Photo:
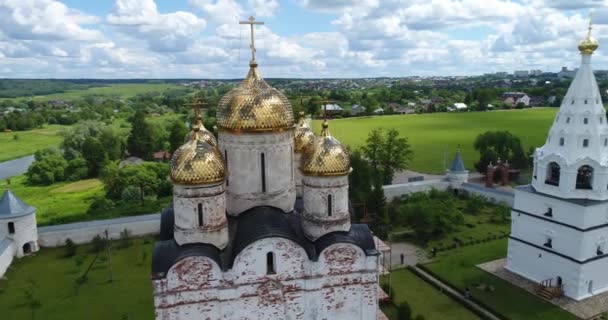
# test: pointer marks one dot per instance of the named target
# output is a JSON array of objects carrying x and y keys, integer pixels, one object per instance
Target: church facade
[
  {"x": 560, "y": 221},
  {"x": 260, "y": 223}
]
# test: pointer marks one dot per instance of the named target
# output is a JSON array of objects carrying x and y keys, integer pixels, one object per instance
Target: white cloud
[
  {"x": 264, "y": 8},
  {"x": 163, "y": 32},
  {"x": 221, "y": 11}
]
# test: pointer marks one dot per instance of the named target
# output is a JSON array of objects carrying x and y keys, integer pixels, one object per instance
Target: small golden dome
[
  {"x": 197, "y": 162},
  {"x": 199, "y": 132},
  {"x": 588, "y": 45},
  {"x": 254, "y": 106},
  {"x": 326, "y": 156},
  {"x": 303, "y": 135}
]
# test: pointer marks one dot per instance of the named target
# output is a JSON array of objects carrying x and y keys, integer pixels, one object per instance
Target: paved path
[
  {"x": 455, "y": 294},
  {"x": 412, "y": 254}
]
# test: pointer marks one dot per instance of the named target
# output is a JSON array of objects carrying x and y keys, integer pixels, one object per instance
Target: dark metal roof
[
  {"x": 13, "y": 207},
  {"x": 167, "y": 253},
  {"x": 252, "y": 225},
  {"x": 457, "y": 164}
]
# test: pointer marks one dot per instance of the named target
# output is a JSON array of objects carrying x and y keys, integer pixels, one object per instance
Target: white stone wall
[
  {"x": 7, "y": 253},
  {"x": 84, "y": 232},
  {"x": 316, "y": 220},
  {"x": 456, "y": 179},
  {"x": 396, "y": 190},
  {"x": 298, "y": 173},
  {"x": 244, "y": 183},
  {"x": 494, "y": 195},
  {"x": 341, "y": 285},
  {"x": 25, "y": 232},
  {"x": 186, "y": 200}
]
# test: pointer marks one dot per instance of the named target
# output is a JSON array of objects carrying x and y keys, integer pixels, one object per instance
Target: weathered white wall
[
  {"x": 297, "y": 173},
  {"x": 244, "y": 183},
  {"x": 84, "y": 232},
  {"x": 341, "y": 285},
  {"x": 316, "y": 221},
  {"x": 397, "y": 190},
  {"x": 494, "y": 195},
  {"x": 215, "y": 224},
  {"x": 7, "y": 252}
]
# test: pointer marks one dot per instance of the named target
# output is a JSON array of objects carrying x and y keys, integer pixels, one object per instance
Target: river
[{"x": 15, "y": 167}]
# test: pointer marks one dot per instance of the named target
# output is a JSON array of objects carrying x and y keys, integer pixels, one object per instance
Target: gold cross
[
  {"x": 590, "y": 24},
  {"x": 252, "y": 22},
  {"x": 196, "y": 104}
]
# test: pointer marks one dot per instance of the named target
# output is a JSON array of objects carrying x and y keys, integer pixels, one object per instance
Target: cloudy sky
[{"x": 300, "y": 38}]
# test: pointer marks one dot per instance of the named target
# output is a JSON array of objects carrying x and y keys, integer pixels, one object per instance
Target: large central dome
[{"x": 254, "y": 106}]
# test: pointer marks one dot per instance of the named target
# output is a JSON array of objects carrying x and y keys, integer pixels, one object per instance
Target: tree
[
  {"x": 176, "y": 136},
  {"x": 404, "y": 311},
  {"x": 141, "y": 140},
  {"x": 48, "y": 167},
  {"x": 499, "y": 144},
  {"x": 360, "y": 179},
  {"x": 387, "y": 153},
  {"x": 95, "y": 155},
  {"x": 376, "y": 203},
  {"x": 77, "y": 169},
  {"x": 70, "y": 248}
]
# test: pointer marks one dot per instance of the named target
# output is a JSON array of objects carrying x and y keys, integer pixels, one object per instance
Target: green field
[
  {"x": 28, "y": 142},
  {"x": 459, "y": 268},
  {"x": 425, "y": 299},
  {"x": 434, "y": 136},
  {"x": 124, "y": 90},
  {"x": 51, "y": 279},
  {"x": 62, "y": 199}
]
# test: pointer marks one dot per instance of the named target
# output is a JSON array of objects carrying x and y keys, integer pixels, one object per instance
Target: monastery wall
[
  {"x": 494, "y": 195},
  {"x": 84, "y": 232},
  {"x": 396, "y": 190},
  {"x": 6, "y": 255}
]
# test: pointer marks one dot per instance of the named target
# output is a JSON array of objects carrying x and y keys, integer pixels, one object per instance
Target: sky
[{"x": 299, "y": 39}]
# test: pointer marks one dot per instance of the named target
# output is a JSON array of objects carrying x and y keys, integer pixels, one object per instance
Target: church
[
  {"x": 560, "y": 221},
  {"x": 260, "y": 223}
]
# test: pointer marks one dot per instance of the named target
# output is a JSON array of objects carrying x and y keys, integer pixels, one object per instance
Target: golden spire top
[
  {"x": 301, "y": 118},
  {"x": 199, "y": 132},
  {"x": 589, "y": 44},
  {"x": 251, "y": 22},
  {"x": 325, "y": 129}
]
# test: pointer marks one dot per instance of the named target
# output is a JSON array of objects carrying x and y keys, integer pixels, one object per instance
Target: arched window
[
  {"x": 11, "y": 227},
  {"x": 605, "y": 142},
  {"x": 584, "y": 178},
  {"x": 263, "y": 164},
  {"x": 586, "y": 120},
  {"x": 270, "y": 267},
  {"x": 568, "y": 119},
  {"x": 329, "y": 205},
  {"x": 561, "y": 141},
  {"x": 200, "y": 214},
  {"x": 585, "y": 143},
  {"x": 553, "y": 174}
]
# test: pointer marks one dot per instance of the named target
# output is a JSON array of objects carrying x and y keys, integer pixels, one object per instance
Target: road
[{"x": 15, "y": 167}]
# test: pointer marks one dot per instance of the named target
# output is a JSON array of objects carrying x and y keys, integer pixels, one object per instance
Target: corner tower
[{"x": 256, "y": 136}]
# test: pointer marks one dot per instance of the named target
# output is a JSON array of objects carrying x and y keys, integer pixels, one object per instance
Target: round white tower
[
  {"x": 457, "y": 174},
  {"x": 18, "y": 224},
  {"x": 198, "y": 172},
  {"x": 256, "y": 137},
  {"x": 325, "y": 168},
  {"x": 304, "y": 137},
  {"x": 573, "y": 163}
]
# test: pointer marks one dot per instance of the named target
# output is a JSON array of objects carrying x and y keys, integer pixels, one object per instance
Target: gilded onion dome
[
  {"x": 589, "y": 44},
  {"x": 326, "y": 156},
  {"x": 254, "y": 106},
  {"x": 303, "y": 135},
  {"x": 197, "y": 162},
  {"x": 199, "y": 132}
]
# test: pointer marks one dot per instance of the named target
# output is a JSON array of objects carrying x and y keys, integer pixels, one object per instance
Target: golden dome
[
  {"x": 254, "y": 106},
  {"x": 589, "y": 44},
  {"x": 199, "y": 132},
  {"x": 303, "y": 135},
  {"x": 326, "y": 156},
  {"x": 197, "y": 162}
]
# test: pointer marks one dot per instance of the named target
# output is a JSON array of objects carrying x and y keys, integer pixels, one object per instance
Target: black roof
[{"x": 252, "y": 225}]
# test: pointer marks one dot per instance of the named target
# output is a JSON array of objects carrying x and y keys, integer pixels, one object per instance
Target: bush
[
  {"x": 125, "y": 239},
  {"x": 404, "y": 311},
  {"x": 98, "y": 243},
  {"x": 70, "y": 248}
]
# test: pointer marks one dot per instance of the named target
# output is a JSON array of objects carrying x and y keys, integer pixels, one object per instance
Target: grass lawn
[
  {"x": 459, "y": 268},
  {"x": 124, "y": 90},
  {"x": 28, "y": 142},
  {"x": 432, "y": 135},
  {"x": 51, "y": 279},
  {"x": 425, "y": 299}
]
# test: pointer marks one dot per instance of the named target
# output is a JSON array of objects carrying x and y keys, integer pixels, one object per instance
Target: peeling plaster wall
[
  {"x": 316, "y": 221},
  {"x": 342, "y": 284}
]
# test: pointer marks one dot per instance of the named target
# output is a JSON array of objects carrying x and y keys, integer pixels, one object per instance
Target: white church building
[
  {"x": 260, "y": 223},
  {"x": 560, "y": 221}
]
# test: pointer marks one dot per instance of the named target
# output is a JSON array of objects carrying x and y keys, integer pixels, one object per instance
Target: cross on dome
[{"x": 251, "y": 22}]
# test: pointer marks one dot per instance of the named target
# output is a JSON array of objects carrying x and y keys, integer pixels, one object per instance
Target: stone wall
[
  {"x": 397, "y": 190},
  {"x": 84, "y": 232},
  {"x": 6, "y": 255},
  {"x": 494, "y": 195}
]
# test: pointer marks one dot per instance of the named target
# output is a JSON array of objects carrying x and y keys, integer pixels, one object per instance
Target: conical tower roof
[
  {"x": 457, "y": 163},
  {"x": 11, "y": 206}
]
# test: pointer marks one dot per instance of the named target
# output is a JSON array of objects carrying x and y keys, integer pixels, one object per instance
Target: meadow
[
  {"x": 50, "y": 279},
  {"x": 435, "y": 136},
  {"x": 123, "y": 90},
  {"x": 458, "y": 267},
  {"x": 23, "y": 143}
]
